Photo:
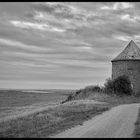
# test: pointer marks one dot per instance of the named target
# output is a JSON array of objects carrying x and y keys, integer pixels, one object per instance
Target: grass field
[
  {"x": 50, "y": 121},
  {"x": 137, "y": 127},
  {"x": 20, "y": 98},
  {"x": 33, "y": 114},
  {"x": 15, "y": 103}
]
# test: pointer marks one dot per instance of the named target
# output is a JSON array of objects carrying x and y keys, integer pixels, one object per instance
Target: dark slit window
[{"x": 130, "y": 68}]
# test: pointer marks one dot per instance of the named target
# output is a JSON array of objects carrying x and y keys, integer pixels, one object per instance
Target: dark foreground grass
[
  {"x": 137, "y": 127},
  {"x": 51, "y": 121}
]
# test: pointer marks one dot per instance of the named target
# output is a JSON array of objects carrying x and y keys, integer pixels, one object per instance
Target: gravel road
[{"x": 115, "y": 123}]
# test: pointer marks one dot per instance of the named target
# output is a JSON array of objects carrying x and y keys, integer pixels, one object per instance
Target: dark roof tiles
[{"x": 131, "y": 52}]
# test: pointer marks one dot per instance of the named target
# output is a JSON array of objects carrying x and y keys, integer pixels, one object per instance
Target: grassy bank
[
  {"x": 112, "y": 99},
  {"x": 52, "y": 120},
  {"x": 137, "y": 127}
]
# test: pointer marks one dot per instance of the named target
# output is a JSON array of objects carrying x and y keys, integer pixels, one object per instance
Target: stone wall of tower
[{"x": 130, "y": 68}]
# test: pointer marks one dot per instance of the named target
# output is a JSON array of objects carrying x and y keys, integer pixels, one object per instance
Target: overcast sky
[{"x": 63, "y": 44}]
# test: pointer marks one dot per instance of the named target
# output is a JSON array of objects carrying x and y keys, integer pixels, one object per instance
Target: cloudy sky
[{"x": 63, "y": 44}]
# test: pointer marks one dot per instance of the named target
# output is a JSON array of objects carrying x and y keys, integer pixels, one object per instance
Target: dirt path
[{"x": 116, "y": 123}]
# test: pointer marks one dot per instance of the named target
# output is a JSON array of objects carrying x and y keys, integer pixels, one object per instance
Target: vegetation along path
[{"x": 119, "y": 122}]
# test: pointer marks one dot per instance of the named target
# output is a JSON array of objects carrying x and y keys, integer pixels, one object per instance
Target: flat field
[{"x": 17, "y": 103}]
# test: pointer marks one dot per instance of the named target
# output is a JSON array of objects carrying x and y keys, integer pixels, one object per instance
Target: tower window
[{"x": 130, "y": 68}]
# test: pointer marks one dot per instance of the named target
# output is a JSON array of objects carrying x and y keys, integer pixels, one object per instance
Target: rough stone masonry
[{"x": 128, "y": 63}]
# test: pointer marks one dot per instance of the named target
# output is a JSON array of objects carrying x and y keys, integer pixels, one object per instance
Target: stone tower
[{"x": 128, "y": 63}]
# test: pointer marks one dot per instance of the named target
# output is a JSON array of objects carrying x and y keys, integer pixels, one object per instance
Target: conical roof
[{"x": 131, "y": 52}]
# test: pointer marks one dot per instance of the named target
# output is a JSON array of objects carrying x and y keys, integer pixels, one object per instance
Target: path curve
[{"x": 115, "y": 123}]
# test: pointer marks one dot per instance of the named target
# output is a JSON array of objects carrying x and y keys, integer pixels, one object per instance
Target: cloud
[
  {"x": 123, "y": 38},
  {"x": 43, "y": 27},
  {"x": 33, "y": 64},
  {"x": 61, "y": 10},
  {"x": 64, "y": 14},
  {"x": 117, "y": 6},
  {"x": 64, "y": 42},
  {"x": 105, "y": 7},
  {"x": 86, "y": 48},
  {"x": 22, "y": 45},
  {"x": 55, "y": 60},
  {"x": 73, "y": 42},
  {"x": 77, "y": 63},
  {"x": 127, "y": 17},
  {"x": 122, "y": 5},
  {"x": 136, "y": 38}
]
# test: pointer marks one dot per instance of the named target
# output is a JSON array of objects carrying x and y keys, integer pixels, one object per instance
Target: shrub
[
  {"x": 78, "y": 92},
  {"x": 83, "y": 93},
  {"x": 92, "y": 89},
  {"x": 108, "y": 86},
  {"x": 120, "y": 86},
  {"x": 69, "y": 98},
  {"x": 96, "y": 88}
]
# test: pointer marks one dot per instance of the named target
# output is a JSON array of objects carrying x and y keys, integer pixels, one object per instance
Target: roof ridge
[{"x": 130, "y": 52}]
